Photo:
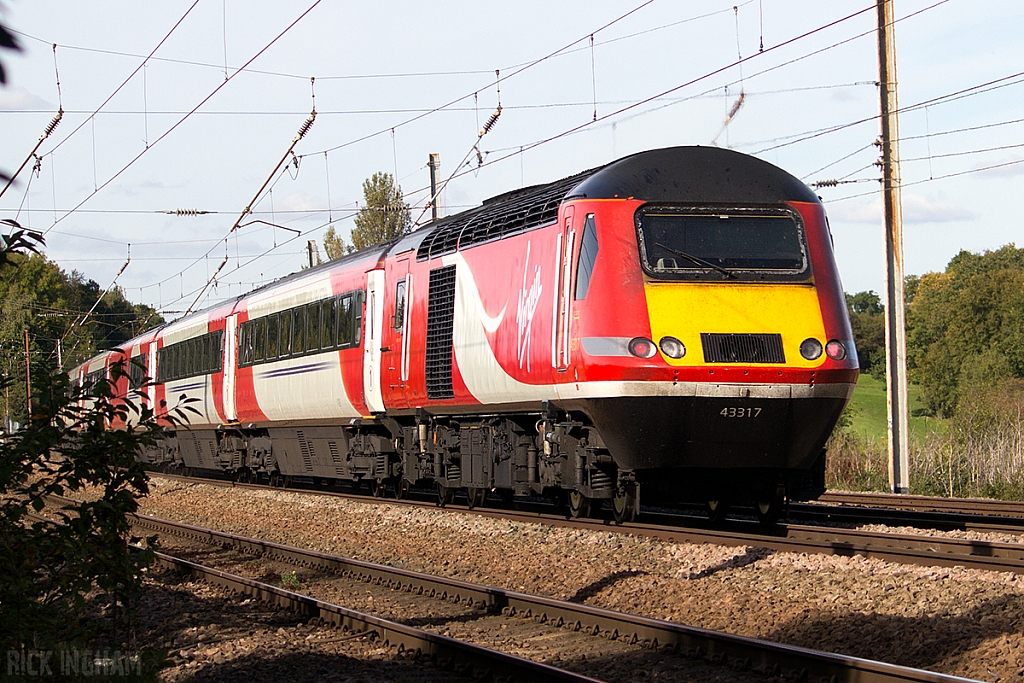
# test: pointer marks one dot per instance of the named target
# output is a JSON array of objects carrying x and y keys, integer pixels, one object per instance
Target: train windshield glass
[{"x": 693, "y": 244}]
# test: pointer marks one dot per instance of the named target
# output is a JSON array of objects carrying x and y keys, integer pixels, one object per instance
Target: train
[{"x": 671, "y": 323}]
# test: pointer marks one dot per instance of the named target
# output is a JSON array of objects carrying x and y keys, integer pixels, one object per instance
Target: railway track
[
  {"x": 914, "y": 549},
  {"x": 495, "y": 609},
  {"x": 892, "y": 501}
]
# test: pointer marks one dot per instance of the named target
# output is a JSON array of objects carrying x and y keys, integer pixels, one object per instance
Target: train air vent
[
  {"x": 501, "y": 216},
  {"x": 742, "y": 348},
  {"x": 440, "y": 322}
]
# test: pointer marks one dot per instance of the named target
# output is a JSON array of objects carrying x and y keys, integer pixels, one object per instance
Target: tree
[
  {"x": 965, "y": 327},
  {"x": 334, "y": 245},
  {"x": 385, "y": 216},
  {"x": 38, "y": 296},
  {"x": 60, "y": 578},
  {"x": 868, "y": 323}
]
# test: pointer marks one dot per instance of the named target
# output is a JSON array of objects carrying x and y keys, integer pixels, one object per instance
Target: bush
[
  {"x": 981, "y": 455},
  {"x": 51, "y": 570}
]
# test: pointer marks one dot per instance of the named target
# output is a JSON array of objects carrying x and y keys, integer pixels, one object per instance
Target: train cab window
[
  {"x": 313, "y": 327},
  {"x": 588, "y": 256},
  {"x": 722, "y": 244},
  {"x": 329, "y": 324},
  {"x": 398, "y": 319},
  {"x": 273, "y": 337},
  {"x": 298, "y": 331}
]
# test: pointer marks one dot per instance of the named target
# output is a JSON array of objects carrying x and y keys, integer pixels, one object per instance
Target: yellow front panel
[{"x": 686, "y": 309}]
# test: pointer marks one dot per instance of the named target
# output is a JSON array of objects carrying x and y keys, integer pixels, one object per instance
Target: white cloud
[
  {"x": 916, "y": 209},
  {"x": 18, "y": 98},
  {"x": 298, "y": 201},
  {"x": 920, "y": 209},
  {"x": 1014, "y": 166}
]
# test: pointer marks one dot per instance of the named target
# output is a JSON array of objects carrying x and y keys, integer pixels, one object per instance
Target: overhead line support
[{"x": 895, "y": 314}]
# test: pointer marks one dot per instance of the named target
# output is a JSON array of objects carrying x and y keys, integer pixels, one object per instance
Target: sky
[{"x": 202, "y": 123}]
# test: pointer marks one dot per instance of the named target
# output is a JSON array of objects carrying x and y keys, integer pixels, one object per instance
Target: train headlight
[
  {"x": 835, "y": 350},
  {"x": 672, "y": 347},
  {"x": 642, "y": 347},
  {"x": 810, "y": 349}
]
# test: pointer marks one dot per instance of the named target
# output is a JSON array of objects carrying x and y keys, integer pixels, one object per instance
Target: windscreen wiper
[{"x": 694, "y": 259}]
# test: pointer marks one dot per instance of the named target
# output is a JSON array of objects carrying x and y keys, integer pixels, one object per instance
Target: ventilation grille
[
  {"x": 306, "y": 449},
  {"x": 506, "y": 214},
  {"x": 440, "y": 321},
  {"x": 742, "y": 348}
]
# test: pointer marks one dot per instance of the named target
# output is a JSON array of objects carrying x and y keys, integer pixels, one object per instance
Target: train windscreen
[{"x": 714, "y": 244}]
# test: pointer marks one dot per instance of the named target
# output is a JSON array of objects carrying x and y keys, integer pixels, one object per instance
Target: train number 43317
[{"x": 740, "y": 412}]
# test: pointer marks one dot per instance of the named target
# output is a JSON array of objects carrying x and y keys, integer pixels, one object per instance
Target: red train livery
[{"x": 671, "y": 323}]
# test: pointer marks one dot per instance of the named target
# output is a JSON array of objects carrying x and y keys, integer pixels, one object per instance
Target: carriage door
[
  {"x": 230, "y": 365},
  {"x": 563, "y": 311},
  {"x": 395, "y": 338},
  {"x": 373, "y": 320}
]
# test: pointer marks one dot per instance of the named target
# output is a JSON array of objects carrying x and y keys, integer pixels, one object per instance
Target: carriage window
[
  {"x": 357, "y": 318},
  {"x": 286, "y": 335},
  {"x": 298, "y": 330},
  {"x": 313, "y": 327},
  {"x": 329, "y": 324},
  {"x": 273, "y": 337},
  {"x": 260, "y": 346},
  {"x": 136, "y": 371},
  {"x": 588, "y": 255},
  {"x": 398, "y": 319},
  {"x": 722, "y": 244},
  {"x": 345, "y": 320}
]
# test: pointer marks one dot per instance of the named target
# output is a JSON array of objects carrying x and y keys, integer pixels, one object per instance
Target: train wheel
[
  {"x": 579, "y": 505},
  {"x": 476, "y": 497},
  {"x": 624, "y": 506},
  {"x": 378, "y": 487},
  {"x": 445, "y": 494},
  {"x": 401, "y": 487},
  {"x": 769, "y": 509},
  {"x": 717, "y": 509}
]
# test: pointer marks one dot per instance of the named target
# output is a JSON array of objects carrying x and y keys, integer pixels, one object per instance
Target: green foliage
[
  {"x": 334, "y": 245},
  {"x": 51, "y": 569},
  {"x": 290, "y": 581},
  {"x": 965, "y": 327},
  {"x": 38, "y": 296},
  {"x": 868, "y": 322},
  {"x": 385, "y": 216},
  {"x": 57, "y": 576}
]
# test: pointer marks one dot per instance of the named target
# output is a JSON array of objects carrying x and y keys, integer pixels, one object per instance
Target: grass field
[{"x": 867, "y": 408}]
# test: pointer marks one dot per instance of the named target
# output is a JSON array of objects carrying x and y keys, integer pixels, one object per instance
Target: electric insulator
[
  {"x": 491, "y": 121},
  {"x": 53, "y": 124},
  {"x": 307, "y": 124}
]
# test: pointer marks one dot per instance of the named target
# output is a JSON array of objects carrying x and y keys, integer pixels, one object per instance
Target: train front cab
[{"x": 741, "y": 343}]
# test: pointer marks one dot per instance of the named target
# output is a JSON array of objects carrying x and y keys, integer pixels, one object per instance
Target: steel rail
[
  {"x": 739, "y": 652},
  {"x": 478, "y": 662},
  {"x": 920, "y": 550},
  {"x": 868, "y": 513},
  {"x": 892, "y": 501}
]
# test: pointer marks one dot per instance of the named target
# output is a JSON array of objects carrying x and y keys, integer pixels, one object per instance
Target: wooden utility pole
[
  {"x": 895, "y": 316},
  {"x": 28, "y": 382}
]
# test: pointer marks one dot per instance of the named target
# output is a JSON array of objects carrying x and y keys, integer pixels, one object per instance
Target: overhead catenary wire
[{"x": 193, "y": 110}]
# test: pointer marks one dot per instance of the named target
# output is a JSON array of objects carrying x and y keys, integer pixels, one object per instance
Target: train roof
[{"x": 698, "y": 175}]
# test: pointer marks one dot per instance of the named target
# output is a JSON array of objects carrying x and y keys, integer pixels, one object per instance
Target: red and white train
[{"x": 671, "y": 323}]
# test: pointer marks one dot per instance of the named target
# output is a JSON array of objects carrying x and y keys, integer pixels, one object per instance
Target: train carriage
[{"x": 671, "y": 323}]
